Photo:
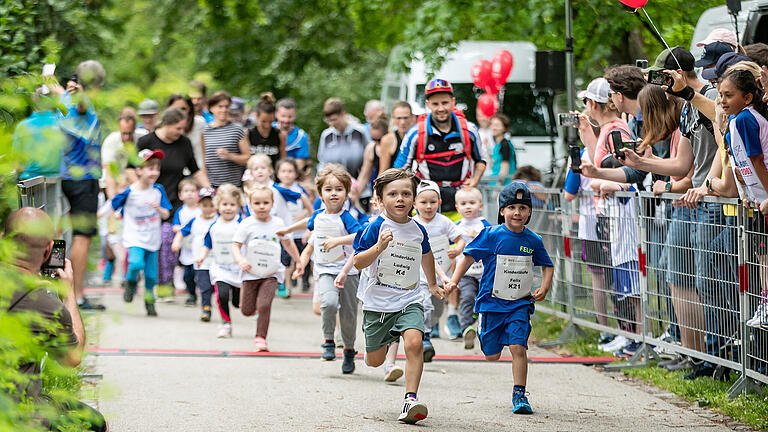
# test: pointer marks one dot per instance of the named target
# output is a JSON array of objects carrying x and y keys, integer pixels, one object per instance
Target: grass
[{"x": 751, "y": 409}]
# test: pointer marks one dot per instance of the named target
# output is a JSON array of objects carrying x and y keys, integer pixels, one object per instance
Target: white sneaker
[
  {"x": 392, "y": 372},
  {"x": 225, "y": 331},
  {"x": 760, "y": 318},
  {"x": 413, "y": 411},
  {"x": 616, "y": 344}
]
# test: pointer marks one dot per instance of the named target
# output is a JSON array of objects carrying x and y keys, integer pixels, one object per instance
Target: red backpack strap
[
  {"x": 421, "y": 137},
  {"x": 464, "y": 131}
]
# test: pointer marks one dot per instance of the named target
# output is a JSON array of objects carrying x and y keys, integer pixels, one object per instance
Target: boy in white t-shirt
[
  {"x": 393, "y": 249},
  {"x": 188, "y": 211},
  {"x": 143, "y": 206},
  {"x": 469, "y": 203},
  {"x": 333, "y": 230},
  {"x": 256, "y": 249},
  {"x": 195, "y": 231},
  {"x": 441, "y": 231}
]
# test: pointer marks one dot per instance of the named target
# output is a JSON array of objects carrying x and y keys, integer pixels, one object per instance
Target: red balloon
[
  {"x": 481, "y": 75},
  {"x": 634, "y": 3},
  {"x": 501, "y": 66},
  {"x": 488, "y": 104}
]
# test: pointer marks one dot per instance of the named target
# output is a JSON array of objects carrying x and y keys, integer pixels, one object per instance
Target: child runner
[
  {"x": 392, "y": 249},
  {"x": 260, "y": 172},
  {"x": 333, "y": 230},
  {"x": 442, "y": 231},
  {"x": 505, "y": 303},
  {"x": 287, "y": 173},
  {"x": 224, "y": 272},
  {"x": 256, "y": 250},
  {"x": 469, "y": 203},
  {"x": 196, "y": 229},
  {"x": 143, "y": 205},
  {"x": 188, "y": 211}
]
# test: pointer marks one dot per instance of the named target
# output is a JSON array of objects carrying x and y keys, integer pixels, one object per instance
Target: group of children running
[{"x": 402, "y": 267}]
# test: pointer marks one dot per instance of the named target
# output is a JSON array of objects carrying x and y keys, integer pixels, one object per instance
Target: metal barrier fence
[
  {"x": 690, "y": 282},
  {"x": 45, "y": 193}
]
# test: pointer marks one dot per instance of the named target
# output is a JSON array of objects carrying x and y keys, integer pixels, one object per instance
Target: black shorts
[
  {"x": 285, "y": 259},
  {"x": 83, "y": 196}
]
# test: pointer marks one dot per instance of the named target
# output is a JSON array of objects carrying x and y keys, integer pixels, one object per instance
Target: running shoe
[
  {"x": 632, "y": 348},
  {"x": 225, "y": 331},
  {"x": 520, "y": 404},
  {"x": 129, "y": 291},
  {"x": 412, "y": 411},
  {"x": 86, "y": 305},
  {"x": 700, "y": 369},
  {"x": 428, "y": 350},
  {"x": 760, "y": 319},
  {"x": 605, "y": 338},
  {"x": 191, "y": 301},
  {"x": 282, "y": 291},
  {"x": 260, "y": 344},
  {"x": 206, "y": 315},
  {"x": 435, "y": 333},
  {"x": 469, "y": 337},
  {"x": 618, "y": 343},
  {"x": 348, "y": 366},
  {"x": 329, "y": 351},
  {"x": 392, "y": 372},
  {"x": 150, "y": 309},
  {"x": 452, "y": 327}
]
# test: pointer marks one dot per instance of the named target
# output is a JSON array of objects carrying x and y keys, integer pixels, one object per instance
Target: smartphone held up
[{"x": 56, "y": 260}]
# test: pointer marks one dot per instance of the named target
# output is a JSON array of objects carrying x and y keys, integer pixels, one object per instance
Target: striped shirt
[
  {"x": 345, "y": 148},
  {"x": 226, "y": 137}
]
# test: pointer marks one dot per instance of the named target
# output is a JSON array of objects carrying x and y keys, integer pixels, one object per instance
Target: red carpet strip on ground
[
  {"x": 148, "y": 352},
  {"x": 97, "y": 290}
]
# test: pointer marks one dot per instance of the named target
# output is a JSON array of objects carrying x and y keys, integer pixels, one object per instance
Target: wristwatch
[
  {"x": 708, "y": 183},
  {"x": 668, "y": 187}
]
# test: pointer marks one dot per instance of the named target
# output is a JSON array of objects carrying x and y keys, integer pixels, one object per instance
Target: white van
[
  {"x": 529, "y": 111},
  {"x": 753, "y": 24}
]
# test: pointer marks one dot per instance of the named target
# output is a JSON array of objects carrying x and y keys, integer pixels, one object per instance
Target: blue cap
[
  {"x": 712, "y": 53},
  {"x": 516, "y": 192},
  {"x": 724, "y": 62}
]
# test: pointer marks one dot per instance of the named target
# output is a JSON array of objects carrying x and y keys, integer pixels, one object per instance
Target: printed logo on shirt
[{"x": 525, "y": 249}]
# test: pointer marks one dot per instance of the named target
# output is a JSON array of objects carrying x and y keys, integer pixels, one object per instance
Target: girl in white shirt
[
  {"x": 224, "y": 272},
  {"x": 256, "y": 249}
]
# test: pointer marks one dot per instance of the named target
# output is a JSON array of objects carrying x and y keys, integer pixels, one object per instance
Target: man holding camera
[{"x": 32, "y": 231}]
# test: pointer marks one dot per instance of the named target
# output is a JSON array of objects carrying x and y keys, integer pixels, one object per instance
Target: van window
[{"x": 525, "y": 113}]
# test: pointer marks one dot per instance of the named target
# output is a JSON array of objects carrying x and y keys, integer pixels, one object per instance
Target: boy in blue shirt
[{"x": 504, "y": 301}]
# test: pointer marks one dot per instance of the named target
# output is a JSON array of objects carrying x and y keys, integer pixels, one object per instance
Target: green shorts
[{"x": 382, "y": 328}]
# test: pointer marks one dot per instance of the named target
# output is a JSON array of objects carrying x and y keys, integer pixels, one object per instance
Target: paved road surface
[{"x": 167, "y": 392}]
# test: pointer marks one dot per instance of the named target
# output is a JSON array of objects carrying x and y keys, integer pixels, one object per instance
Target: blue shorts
[
  {"x": 626, "y": 279},
  {"x": 497, "y": 330}
]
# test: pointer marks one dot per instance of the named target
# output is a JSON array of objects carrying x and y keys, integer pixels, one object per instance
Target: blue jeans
[
  {"x": 143, "y": 260},
  {"x": 189, "y": 280},
  {"x": 203, "y": 279}
]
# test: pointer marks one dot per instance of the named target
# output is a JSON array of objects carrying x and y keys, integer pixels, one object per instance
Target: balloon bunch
[{"x": 491, "y": 75}]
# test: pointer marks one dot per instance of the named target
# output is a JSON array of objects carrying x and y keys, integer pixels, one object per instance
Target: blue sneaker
[
  {"x": 429, "y": 350},
  {"x": 520, "y": 404},
  {"x": 435, "y": 333},
  {"x": 282, "y": 291},
  {"x": 452, "y": 327}
]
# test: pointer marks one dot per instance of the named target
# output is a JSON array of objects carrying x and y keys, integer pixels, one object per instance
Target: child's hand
[
  {"x": 437, "y": 291},
  {"x": 540, "y": 294},
  {"x": 339, "y": 281},
  {"x": 244, "y": 265},
  {"x": 452, "y": 252},
  {"x": 199, "y": 262},
  {"x": 331, "y": 243},
  {"x": 175, "y": 246},
  {"x": 282, "y": 232},
  {"x": 154, "y": 205},
  {"x": 297, "y": 273},
  {"x": 450, "y": 287},
  {"x": 385, "y": 237},
  {"x": 446, "y": 281}
]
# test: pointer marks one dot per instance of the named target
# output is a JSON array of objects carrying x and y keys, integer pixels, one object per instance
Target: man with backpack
[{"x": 443, "y": 146}]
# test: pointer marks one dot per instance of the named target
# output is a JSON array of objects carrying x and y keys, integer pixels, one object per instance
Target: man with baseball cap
[
  {"x": 147, "y": 111},
  {"x": 720, "y": 35},
  {"x": 712, "y": 53},
  {"x": 443, "y": 146}
]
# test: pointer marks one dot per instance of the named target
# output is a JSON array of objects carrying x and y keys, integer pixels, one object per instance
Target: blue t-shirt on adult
[
  {"x": 39, "y": 142},
  {"x": 499, "y": 240},
  {"x": 296, "y": 143},
  {"x": 82, "y": 155}
]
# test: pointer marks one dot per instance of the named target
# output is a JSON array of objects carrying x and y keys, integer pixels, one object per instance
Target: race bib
[
  {"x": 514, "y": 277},
  {"x": 263, "y": 256},
  {"x": 440, "y": 245},
  {"x": 222, "y": 252},
  {"x": 476, "y": 269},
  {"x": 399, "y": 265},
  {"x": 197, "y": 246},
  {"x": 322, "y": 232}
]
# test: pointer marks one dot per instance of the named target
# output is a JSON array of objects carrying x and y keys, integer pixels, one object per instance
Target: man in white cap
[
  {"x": 720, "y": 35},
  {"x": 148, "y": 110}
]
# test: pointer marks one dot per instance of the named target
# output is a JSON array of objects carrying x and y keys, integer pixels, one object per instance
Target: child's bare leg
[
  {"x": 376, "y": 358},
  {"x": 414, "y": 360},
  {"x": 392, "y": 352},
  {"x": 453, "y": 298},
  {"x": 519, "y": 364}
]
